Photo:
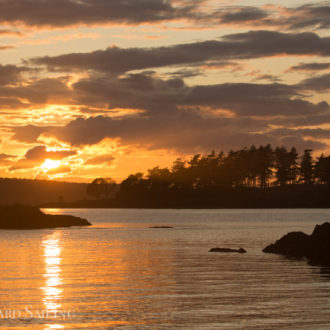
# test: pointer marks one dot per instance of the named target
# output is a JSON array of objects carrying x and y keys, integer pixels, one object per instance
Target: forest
[{"x": 250, "y": 177}]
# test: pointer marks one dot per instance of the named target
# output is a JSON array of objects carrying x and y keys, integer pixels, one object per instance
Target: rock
[
  {"x": 320, "y": 241},
  {"x": 29, "y": 217},
  {"x": 157, "y": 227},
  {"x": 227, "y": 250},
  {"x": 295, "y": 244},
  {"x": 315, "y": 248}
]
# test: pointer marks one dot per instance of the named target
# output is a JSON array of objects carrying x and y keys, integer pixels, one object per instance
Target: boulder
[
  {"x": 315, "y": 247},
  {"x": 295, "y": 244}
]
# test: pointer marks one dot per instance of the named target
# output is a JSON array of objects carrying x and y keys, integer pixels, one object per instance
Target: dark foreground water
[{"x": 122, "y": 274}]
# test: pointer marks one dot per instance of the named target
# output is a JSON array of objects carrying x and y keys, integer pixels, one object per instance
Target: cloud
[
  {"x": 240, "y": 46},
  {"x": 65, "y": 13},
  {"x": 314, "y": 16},
  {"x": 310, "y": 67},
  {"x": 318, "y": 83},
  {"x": 100, "y": 160},
  {"x": 157, "y": 96},
  {"x": 232, "y": 15},
  {"x": 39, "y": 91},
  {"x": 10, "y": 32},
  {"x": 12, "y": 103},
  {"x": 180, "y": 116},
  {"x": 61, "y": 13},
  {"x": 11, "y": 74},
  {"x": 36, "y": 156},
  {"x": 309, "y": 16},
  {"x": 6, "y": 47},
  {"x": 184, "y": 133},
  {"x": 27, "y": 133},
  {"x": 59, "y": 170},
  {"x": 41, "y": 153},
  {"x": 6, "y": 159}
]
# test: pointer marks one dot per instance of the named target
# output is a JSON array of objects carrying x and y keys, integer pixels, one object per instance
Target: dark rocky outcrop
[
  {"x": 227, "y": 250},
  {"x": 28, "y": 217},
  {"x": 315, "y": 248}
]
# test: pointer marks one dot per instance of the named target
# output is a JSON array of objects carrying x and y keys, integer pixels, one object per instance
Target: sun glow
[{"x": 50, "y": 164}]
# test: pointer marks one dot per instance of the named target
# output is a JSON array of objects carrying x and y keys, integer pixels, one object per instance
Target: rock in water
[
  {"x": 29, "y": 217},
  {"x": 295, "y": 244},
  {"x": 315, "y": 248},
  {"x": 227, "y": 250},
  {"x": 320, "y": 242}
]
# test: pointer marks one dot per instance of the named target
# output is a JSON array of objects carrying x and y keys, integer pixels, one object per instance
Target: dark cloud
[
  {"x": 12, "y": 103},
  {"x": 39, "y": 91},
  {"x": 36, "y": 156},
  {"x": 157, "y": 96},
  {"x": 135, "y": 91},
  {"x": 310, "y": 67},
  {"x": 182, "y": 132},
  {"x": 253, "y": 44},
  {"x": 27, "y": 133},
  {"x": 60, "y": 13},
  {"x": 314, "y": 16},
  {"x": 180, "y": 116},
  {"x": 11, "y": 74},
  {"x": 309, "y": 16},
  {"x": 318, "y": 83},
  {"x": 313, "y": 132},
  {"x": 244, "y": 14},
  {"x": 253, "y": 99}
]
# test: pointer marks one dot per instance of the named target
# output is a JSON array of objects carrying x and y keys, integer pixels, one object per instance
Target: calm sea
[{"x": 120, "y": 273}]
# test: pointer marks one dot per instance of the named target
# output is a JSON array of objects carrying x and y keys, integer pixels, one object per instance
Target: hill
[{"x": 35, "y": 192}]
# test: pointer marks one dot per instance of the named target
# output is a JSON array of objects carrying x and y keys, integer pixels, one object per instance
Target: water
[{"x": 122, "y": 274}]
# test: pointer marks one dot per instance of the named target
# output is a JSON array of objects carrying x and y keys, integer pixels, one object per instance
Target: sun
[{"x": 49, "y": 164}]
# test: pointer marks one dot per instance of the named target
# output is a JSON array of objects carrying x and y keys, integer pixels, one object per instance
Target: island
[
  {"x": 29, "y": 217},
  {"x": 315, "y": 247}
]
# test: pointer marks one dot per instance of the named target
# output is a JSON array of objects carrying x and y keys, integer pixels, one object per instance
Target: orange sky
[{"x": 107, "y": 88}]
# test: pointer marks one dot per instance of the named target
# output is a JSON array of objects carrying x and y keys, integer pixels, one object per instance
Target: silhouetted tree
[
  {"x": 181, "y": 175},
  {"x": 286, "y": 166},
  {"x": 322, "y": 169},
  {"x": 306, "y": 167},
  {"x": 294, "y": 168},
  {"x": 159, "y": 178},
  {"x": 101, "y": 187},
  {"x": 264, "y": 164}
]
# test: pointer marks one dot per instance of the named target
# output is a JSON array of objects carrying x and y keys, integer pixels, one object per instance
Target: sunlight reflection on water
[{"x": 52, "y": 254}]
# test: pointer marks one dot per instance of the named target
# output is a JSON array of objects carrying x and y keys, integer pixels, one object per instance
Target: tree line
[
  {"x": 249, "y": 167},
  {"x": 254, "y": 167}
]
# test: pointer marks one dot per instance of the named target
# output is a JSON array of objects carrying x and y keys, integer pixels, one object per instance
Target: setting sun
[{"x": 50, "y": 164}]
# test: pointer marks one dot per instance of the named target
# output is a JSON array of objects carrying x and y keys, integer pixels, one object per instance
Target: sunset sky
[{"x": 93, "y": 88}]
